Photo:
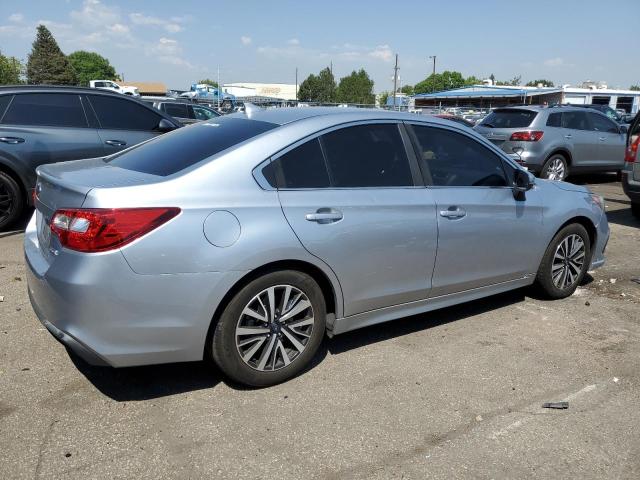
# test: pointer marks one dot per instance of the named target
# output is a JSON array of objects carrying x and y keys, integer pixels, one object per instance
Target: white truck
[{"x": 114, "y": 87}]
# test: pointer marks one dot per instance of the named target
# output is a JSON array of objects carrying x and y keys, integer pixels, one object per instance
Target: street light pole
[
  {"x": 395, "y": 82},
  {"x": 433, "y": 57}
]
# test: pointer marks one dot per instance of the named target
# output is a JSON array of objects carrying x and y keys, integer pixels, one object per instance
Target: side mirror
[
  {"x": 624, "y": 128},
  {"x": 165, "y": 126},
  {"x": 522, "y": 181}
]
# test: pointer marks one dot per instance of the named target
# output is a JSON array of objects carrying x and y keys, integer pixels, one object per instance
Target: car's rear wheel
[
  {"x": 11, "y": 200},
  {"x": 271, "y": 329},
  {"x": 555, "y": 168},
  {"x": 565, "y": 262}
]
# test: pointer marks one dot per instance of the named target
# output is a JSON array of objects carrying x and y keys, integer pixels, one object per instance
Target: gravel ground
[{"x": 456, "y": 393}]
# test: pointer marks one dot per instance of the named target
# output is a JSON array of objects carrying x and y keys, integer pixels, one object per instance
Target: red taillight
[
  {"x": 631, "y": 154},
  {"x": 102, "y": 229},
  {"x": 526, "y": 136}
]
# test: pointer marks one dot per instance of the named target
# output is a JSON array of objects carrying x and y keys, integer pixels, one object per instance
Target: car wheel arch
[
  {"x": 8, "y": 170},
  {"x": 564, "y": 152},
  {"x": 586, "y": 223},
  {"x": 330, "y": 289}
]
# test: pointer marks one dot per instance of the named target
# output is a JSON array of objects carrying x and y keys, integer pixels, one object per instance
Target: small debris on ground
[
  {"x": 1, "y": 298},
  {"x": 587, "y": 303},
  {"x": 612, "y": 281},
  {"x": 556, "y": 405},
  {"x": 616, "y": 379},
  {"x": 479, "y": 418}
]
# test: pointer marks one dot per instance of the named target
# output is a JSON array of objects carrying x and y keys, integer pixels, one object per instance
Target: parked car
[
  {"x": 553, "y": 142},
  {"x": 249, "y": 237},
  {"x": 457, "y": 119},
  {"x": 114, "y": 87},
  {"x": 183, "y": 111},
  {"x": 631, "y": 172},
  {"x": 41, "y": 125},
  {"x": 615, "y": 115}
]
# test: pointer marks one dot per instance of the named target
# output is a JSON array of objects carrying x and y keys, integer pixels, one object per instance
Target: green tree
[
  {"x": 514, "y": 82},
  {"x": 208, "y": 81},
  {"x": 91, "y": 66},
  {"x": 407, "y": 89},
  {"x": 10, "y": 70},
  {"x": 356, "y": 88},
  {"x": 545, "y": 83},
  {"x": 635, "y": 88},
  {"x": 446, "y": 80},
  {"x": 318, "y": 88},
  {"x": 47, "y": 64}
]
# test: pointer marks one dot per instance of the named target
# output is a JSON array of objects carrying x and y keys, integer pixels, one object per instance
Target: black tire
[
  {"x": 635, "y": 209},
  {"x": 547, "y": 167},
  {"x": 12, "y": 201},
  {"x": 544, "y": 278},
  {"x": 225, "y": 351}
]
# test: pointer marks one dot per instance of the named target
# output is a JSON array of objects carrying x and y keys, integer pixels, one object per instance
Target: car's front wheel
[
  {"x": 271, "y": 329},
  {"x": 555, "y": 168},
  {"x": 565, "y": 262},
  {"x": 11, "y": 200}
]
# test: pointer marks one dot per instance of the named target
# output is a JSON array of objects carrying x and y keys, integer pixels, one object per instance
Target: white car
[{"x": 114, "y": 87}]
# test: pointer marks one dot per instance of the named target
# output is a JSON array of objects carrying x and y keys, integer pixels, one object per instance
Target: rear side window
[
  {"x": 554, "y": 120},
  {"x": 176, "y": 109},
  {"x": 512, "y": 118},
  {"x": 46, "y": 109},
  {"x": 123, "y": 114},
  {"x": 575, "y": 120},
  {"x": 302, "y": 167},
  {"x": 455, "y": 160},
  {"x": 173, "y": 152},
  {"x": 367, "y": 156}
]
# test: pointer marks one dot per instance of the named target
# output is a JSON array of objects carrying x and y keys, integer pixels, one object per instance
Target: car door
[
  {"x": 611, "y": 142},
  {"x": 584, "y": 144},
  {"x": 39, "y": 128},
  {"x": 485, "y": 235},
  {"x": 123, "y": 122},
  {"x": 354, "y": 201}
]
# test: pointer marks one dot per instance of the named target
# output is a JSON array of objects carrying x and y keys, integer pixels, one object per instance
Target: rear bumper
[
  {"x": 631, "y": 187},
  {"x": 109, "y": 315}
]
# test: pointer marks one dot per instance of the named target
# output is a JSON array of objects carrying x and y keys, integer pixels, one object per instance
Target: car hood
[{"x": 566, "y": 186}]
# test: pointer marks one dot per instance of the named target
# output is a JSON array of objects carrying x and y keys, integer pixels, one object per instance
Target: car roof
[
  {"x": 285, "y": 115},
  {"x": 10, "y": 89}
]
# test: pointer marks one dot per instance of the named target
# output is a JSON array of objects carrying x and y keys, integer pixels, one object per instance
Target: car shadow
[
  {"x": 593, "y": 178},
  {"x": 19, "y": 225},
  {"x": 156, "y": 381},
  {"x": 623, "y": 216}
]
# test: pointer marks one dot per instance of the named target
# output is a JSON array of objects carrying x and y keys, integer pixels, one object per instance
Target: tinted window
[
  {"x": 4, "y": 102},
  {"x": 367, "y": 156},
  {"x": 123, "y": 114},
  {"x": 202, "y": 113},
  {"x": 453, "y": 159},
  {"x": 50, "y": 109},
  {"x": 176, "y": 109},
  {"x": 575, "y": 120},
  {"x": 601, "y": 123},
  {"x": 302, "y": 167},
  {"x": 554, "y": 120},
  {"x": 173, "y": 152},
  {"x": 512, "y": 118}
]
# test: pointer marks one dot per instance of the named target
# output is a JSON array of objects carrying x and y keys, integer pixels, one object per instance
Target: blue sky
[{"x": 178, "y": 42}]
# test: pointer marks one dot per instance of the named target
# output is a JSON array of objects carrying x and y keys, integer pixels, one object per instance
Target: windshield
[
  {"x": 171, "y": 153},
  {"x": 511, "y": 118}
]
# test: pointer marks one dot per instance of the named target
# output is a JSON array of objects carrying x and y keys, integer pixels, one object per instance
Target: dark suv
[{"x": 44, "y": 124}]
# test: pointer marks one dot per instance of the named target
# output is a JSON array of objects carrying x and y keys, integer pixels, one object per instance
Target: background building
[{"x": 281, "y": 91}]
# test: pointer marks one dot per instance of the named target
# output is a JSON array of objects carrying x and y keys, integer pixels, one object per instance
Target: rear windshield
[
  {"x": 511, "y": 118},
  {"x": 174, "y": 152}
]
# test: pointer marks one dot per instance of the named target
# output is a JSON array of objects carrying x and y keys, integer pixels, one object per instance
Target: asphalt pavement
[{"x": 455, "y": 393}]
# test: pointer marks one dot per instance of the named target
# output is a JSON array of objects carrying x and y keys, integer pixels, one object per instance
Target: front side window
[
  {"x": 599, "y": 123},
  {"x": 123, "y": 114},
  {"x": 46, "y": 109},
  {"x": 367, "y": 156},
  {"x": 201, "y": 113},
  {"x": 302, "y": 167},
  {"x": 575, "y": 120},
  {"x": 455, "y": 160}
]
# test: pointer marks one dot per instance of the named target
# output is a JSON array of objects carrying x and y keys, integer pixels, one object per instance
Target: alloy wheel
[
  {"x": 556, "y": 170},
  {"x": 568, "y": 261},
  {"x": 274, "y": 328},
  {"x": 6, "y": 202}
]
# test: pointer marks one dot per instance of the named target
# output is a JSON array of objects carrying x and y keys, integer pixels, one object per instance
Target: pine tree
[{"x": 47, "y": 64}]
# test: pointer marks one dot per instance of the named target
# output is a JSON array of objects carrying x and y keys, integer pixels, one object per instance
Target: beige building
[{"x": 284, "y": 91}]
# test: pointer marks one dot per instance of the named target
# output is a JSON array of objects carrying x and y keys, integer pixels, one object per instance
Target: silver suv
[{"x": 554, "y": 141}]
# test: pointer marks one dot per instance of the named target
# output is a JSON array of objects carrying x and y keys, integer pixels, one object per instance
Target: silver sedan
[{"x": 248, "y": 238}]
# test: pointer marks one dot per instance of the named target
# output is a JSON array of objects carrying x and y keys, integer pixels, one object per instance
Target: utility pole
[
  {"x": 218, "y": 87},
  {"x": 296, "y": 84},
  {"x": 395, "y": 82},
  {"x": 434, "y": 72}
]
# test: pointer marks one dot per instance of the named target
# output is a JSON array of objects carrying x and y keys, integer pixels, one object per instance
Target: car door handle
[
  {"x": 567, "y": 137},
  {"x": 324, "y": 215},
  {"x": 116, "y": 143},
  {"x": 602, "y": 139},
  {"x": 453, "y": 212},
  {"x": 12, "y": 140}
]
